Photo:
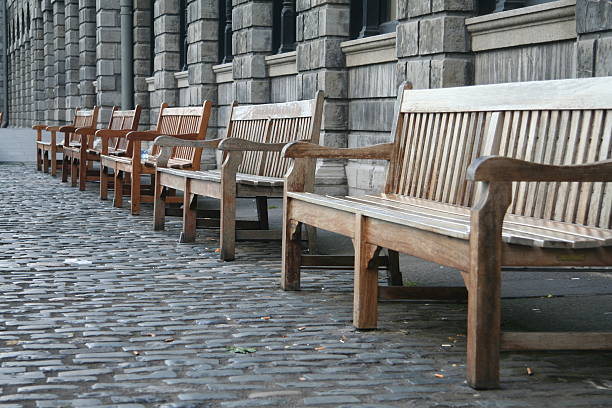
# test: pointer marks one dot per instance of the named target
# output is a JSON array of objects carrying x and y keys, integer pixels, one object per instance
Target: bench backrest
[
  {"x": 123, "y": 120},
  {"x": 83, "y": 118},
  {"x": 439, "y": 132},
  {"x": 178, "y": 121},
  {"x": 274, "y": 123}
]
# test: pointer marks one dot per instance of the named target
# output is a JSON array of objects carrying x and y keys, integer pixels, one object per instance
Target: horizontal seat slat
[
  {"x": 215, "y": 176},
  {"x": 455, "y": 221}
]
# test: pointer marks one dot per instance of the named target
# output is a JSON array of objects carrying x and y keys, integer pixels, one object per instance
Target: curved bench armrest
[
  {"x": 168, "y": 142},
  {"x": 297, "y": 150},
  {"x": 504, "y": 169},
  {"x": 236, "y": 144}
]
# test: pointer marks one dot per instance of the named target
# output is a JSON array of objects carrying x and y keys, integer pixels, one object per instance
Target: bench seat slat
[
  {"x": 580, "y": 237},
  {"x": 454, "y": 221},
  {"x": 214, "y": 175}
]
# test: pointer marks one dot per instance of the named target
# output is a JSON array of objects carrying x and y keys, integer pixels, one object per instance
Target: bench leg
[
  {"x": 188, "y": 234},
  {"x": 118, "y": 184},
  {"x": 45, "y": 161},
  {"x": 291, "y": 253},
  {"x": 38, "y": 160},
  {"x": 74, "y": 172},
  {"x": 83, "y": 173},
  {"x": 394, "y": 275},
  {"x": 135, "y": 192},
  {"x": 103, "y": 182},
  {"x": 262, "y": 212},
  {"x": 484, "y": 293},
  {"x": 66, "y": 162},
  {"x": 228, "y": 225},
  {"x": 54, "y": 162},
  {"x": 365, "y": 291},
  {"x": 159, "y": 207}
]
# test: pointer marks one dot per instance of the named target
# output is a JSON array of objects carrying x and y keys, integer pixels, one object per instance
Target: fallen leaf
[
  {"x": 218, "y": 250},
  {"x": 301, "y": 328},
  {"x": 136, "y": 353},
  {"x": 439, "y": 375},
  {"x": 169, "y": 340},
  {"x": 343, "y": 339},
  {"x": 151, "y": 334},
  {"x": 529, "y": 371},
  {"x": 319, "y": 348},
  {"x": 12, "y": 342},
  {"x": 266, "y": 318},
  {"x": 241, "y": 350}
]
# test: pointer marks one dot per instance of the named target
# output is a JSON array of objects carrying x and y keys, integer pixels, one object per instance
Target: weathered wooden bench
[
  {"x": 187, "y": 123},
  {"x": 47, "y": 151},
  {"x": 78, "y": 160},
  {"x": 447, "y": 201},
  {"x": 252, "y": 168}
]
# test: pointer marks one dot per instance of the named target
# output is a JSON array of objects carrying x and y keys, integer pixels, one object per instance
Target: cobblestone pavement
[{"x": 100, "y": 311}]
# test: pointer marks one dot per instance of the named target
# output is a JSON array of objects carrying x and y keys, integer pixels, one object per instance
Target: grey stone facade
[{"x": 62, "y": 54}]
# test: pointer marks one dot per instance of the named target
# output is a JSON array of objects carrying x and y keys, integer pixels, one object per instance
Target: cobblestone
[{"x": 98, "y": 310}]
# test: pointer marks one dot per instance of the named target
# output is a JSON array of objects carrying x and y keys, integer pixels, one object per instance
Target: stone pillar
[
  {"x": 3, "y": 73},
  {"x": 108, "y": 67},
  {"x": 251, "y": 42},
  {"x": 433, "y": 47},
  {"x": 87, "y": 52},
  {"x": 594, "y": 46},
  {"x": 167, "y": 59},
  {"x": 38, "y": 65},
  {"x": 73, "y": 99},
  {"x": 143, "y": 64},
  {"x": 321, "y": 27},
  {"x": 48, "y": 72},
  {"x": 59, "y": 62}
]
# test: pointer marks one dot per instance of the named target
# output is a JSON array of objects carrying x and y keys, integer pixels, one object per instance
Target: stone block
[
  {"x": 418, "y": 7},
  {"x": 451, "y": 5},
  {"x": 585, "y": 58},
  {"x": 335, "y": 115},
  {"x": 334, "y": 83},
  {"x": 442, "y": 34},
  {"x": 418, "y": 73},
  {"x": 334, "y": 21},
  {"x": 407, "y": 40},
  {"x": 603, "y": 59},
  {"x": 593, "y": 16},
  {"x": 451, "y": 72}
]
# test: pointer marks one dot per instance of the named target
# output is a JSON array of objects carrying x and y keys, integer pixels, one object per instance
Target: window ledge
[
  {"x": 224, "y": 72},
  {"x": 370, "y": 50},
  {"x": 182, "y": 79},
  {"x": 150, "y": 84},
  {"x": 282, "y": 64},
  {"x": 548, "y": 22}
]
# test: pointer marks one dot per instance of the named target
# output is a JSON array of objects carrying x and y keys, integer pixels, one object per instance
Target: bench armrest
[
  {"x": 504, "y": 169},
  {"x": 53, "y": 128},
  {"x": 168, "y": 142},
  {"x": 144, "y": 136},
  {"x": 309, "y": 150},
  {"x": 67, "y": 129},
  {"x": 107, "y": 134},
  {"x": 236, "y": 144},
  {"x": 39, "y": 127}
]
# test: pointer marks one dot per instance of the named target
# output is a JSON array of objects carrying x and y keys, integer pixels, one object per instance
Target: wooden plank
[
  {"x": 274, "y": 110},
  {"x": 568, "y": 94},
  {"x": 519, "y": 341}
]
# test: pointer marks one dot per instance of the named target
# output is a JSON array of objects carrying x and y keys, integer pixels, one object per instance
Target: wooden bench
[
  {"x": 187, "y": 123},
  {"x": 47, "y": 151},
  {"x": 252, "y": 168},
  {"x": 79, "y": 159},
  {"x": 447, "y": 201}
]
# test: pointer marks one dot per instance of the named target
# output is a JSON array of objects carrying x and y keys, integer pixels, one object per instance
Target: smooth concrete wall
[{"x": 17, "y": 145}]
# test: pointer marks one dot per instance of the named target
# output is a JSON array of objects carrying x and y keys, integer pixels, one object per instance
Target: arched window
[
  {"x": 372, "y": 17},
  {"x": 183, "y": 35},
  {"x": 225, "y": 31},
  {"x": 283, "y": 26}
]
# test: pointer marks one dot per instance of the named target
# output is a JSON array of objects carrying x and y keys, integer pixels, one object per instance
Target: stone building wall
[{"x": 67, "y": 53}]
